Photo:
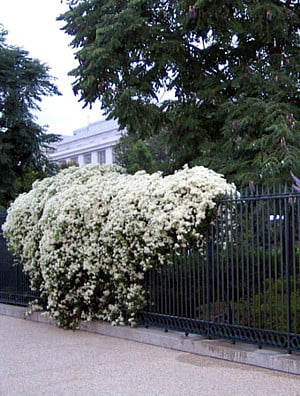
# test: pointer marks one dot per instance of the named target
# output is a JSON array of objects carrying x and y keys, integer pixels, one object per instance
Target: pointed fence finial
[{"x": 252, "y": 186}]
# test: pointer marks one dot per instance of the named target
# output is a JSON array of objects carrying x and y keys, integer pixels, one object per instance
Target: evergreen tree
[
  {"x": 23, "y": 82},
  {"x": 231, "y": 66},
  {"x": 151, "y": 154}
]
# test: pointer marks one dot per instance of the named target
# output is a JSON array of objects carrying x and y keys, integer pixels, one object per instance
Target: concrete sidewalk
[
  {"x": 40, "y": 359},
  {"x": 276, "y": 359}
]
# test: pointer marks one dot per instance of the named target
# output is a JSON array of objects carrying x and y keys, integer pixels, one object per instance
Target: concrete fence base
[{"x": 220, "y": 349}]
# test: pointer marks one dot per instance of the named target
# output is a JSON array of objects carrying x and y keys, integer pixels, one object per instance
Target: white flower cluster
[{"x": 87, "y": 236}]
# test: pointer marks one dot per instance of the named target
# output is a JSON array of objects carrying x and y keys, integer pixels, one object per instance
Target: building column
[
  {"x": 94, "y": 157},
  {"x": 80, "y": 160},
  {"x": 109, "y": 157}
]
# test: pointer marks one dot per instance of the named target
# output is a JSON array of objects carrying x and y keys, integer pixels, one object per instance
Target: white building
[{"x": 91, "y": 144}]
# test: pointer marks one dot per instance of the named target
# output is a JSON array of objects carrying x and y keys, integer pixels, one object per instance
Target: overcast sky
[{"x": 32, "y": 25}]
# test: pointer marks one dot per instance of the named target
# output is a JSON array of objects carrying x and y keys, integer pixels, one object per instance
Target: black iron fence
[
  {"x": 245, "y": 285},
  {"x": 14, "y": 284}
]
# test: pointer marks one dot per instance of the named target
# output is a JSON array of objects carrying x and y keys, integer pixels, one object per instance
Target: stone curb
[{"x": 220, "y": 349}]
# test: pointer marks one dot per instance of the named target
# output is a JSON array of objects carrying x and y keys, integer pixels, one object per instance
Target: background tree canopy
[
  {"x": 231, "y": 68},
  {"x": 23, "y": 82},
  {"x": 151, "y": 154}
]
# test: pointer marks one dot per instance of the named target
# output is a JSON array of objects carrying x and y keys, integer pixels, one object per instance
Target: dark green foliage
[
  {"x": 23, "y": 82},
  {"x": 151, "y": 154},
  {"x": 231, "y": 67},
  {"x": 138, "y": 158},
  {"x": 272, "y": 306}
]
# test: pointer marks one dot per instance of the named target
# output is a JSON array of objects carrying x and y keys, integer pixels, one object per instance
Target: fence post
[
  {"x": 208, "y": 264},
  {"x": 288, "y": 256}
]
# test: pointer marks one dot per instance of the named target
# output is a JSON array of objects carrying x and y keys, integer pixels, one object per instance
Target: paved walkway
[{"x": 39, "y": 359}]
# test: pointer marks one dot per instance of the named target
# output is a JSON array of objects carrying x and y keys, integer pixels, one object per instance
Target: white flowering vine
[{"x": 87, "y": 236}]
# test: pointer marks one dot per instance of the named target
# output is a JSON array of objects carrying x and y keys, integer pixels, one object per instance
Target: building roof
[{"x": 89, "y": 138}]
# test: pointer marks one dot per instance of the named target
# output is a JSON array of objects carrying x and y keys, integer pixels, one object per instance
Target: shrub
[
  {"x": 87, "y": 235},
  {"x": 271, "y": 307}
]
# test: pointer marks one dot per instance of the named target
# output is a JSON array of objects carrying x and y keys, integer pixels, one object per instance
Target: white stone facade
[{"x": 91, "y": 144}]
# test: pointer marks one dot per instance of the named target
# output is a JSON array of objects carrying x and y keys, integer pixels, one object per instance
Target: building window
[
  {"x": 101, "y": 157},
  {"x": 62, "y": 162},
  {"x": 87, "y": 158},
  {"x": 74, "y": 160}
]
